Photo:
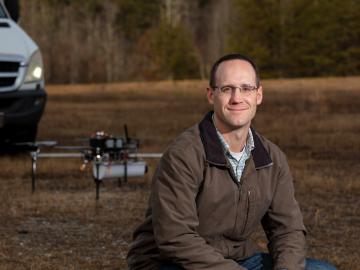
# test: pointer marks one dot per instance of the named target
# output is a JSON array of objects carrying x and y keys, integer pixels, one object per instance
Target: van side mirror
[{"x": 13, "y": 8}]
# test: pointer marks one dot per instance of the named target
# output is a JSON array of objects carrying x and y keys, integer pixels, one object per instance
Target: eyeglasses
[{"x": 230, "y": 89}]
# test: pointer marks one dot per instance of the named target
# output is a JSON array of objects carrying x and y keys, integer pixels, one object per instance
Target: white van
[{"x": 22, "y": 88}]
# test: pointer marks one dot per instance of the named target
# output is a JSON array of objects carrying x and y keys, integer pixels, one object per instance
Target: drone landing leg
[
  {"x": 97, "y": 182},
  {"x": 33, "y": 170},
  {"x": 125, "y": 171}
]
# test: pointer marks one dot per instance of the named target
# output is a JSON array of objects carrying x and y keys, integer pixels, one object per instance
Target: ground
[{"x": 316, "y": 122}]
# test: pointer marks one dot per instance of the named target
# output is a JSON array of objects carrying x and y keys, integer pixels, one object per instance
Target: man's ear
[
  {"x": 210, "y": 95},
  {"x": 259, "y": 95}
]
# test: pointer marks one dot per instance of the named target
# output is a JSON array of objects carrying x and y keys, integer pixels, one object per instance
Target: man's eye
[
  {"x": 247, "y": 88},
  {"x": 226, "y": 89}
]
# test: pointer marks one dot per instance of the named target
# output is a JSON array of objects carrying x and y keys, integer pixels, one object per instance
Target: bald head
[{"x": 233, "y": 57}]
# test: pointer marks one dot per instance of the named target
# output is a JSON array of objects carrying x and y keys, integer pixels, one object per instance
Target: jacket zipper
[
  {"x": 247, "y": 212},
  {"x": 237, "y": 209},
  {"x": 247, "y": 206},
  {"x": 238, "y": 194}
]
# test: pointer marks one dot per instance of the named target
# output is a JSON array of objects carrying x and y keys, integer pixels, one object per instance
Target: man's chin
[{"x": 238, "y": 125}]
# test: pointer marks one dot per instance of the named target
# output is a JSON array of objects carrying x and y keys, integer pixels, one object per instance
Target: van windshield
[{"x": 2, "y": 12}]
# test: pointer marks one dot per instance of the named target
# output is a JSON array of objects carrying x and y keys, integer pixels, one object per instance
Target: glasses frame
[{"x": 245, "y": 89}]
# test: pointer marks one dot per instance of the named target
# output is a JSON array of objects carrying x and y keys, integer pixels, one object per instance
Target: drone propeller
[
  {"x": 70, "y": 147},
  {"x": 60, "y": 155},
  {"x": 38, "y": 144},
  {"x": 145, "y": 155}
]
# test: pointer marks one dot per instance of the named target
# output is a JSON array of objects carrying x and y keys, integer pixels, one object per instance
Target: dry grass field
[{"x": 61, "y": 226}]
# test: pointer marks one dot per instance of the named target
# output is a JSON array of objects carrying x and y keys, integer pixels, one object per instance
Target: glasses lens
[
  {"x": 248, "y": 88},
  {"x": 226, "y": 89},
  {"x": 229, "y": 89}
]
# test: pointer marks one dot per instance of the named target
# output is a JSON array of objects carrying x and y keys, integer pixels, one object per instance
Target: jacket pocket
[{"x": 220, "y": 244}]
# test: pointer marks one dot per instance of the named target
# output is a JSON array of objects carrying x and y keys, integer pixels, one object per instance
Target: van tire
[
  {"x": 28, "y": 134},
  {"x": 13, "y": 135}
]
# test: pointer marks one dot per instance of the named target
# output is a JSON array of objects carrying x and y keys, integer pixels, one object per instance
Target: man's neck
[{"x": 235, "y": 138}]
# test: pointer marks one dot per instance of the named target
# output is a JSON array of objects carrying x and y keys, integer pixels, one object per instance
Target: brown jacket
[{"x": 200, "y": 217}]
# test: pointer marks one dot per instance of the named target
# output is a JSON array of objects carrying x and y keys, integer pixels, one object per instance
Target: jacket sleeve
[
  {"x": 175, "y": 220},
  {"x": 283, "y": 223}
]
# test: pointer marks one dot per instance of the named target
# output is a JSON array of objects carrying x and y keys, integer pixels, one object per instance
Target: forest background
[{"x": 87, "y": 41}]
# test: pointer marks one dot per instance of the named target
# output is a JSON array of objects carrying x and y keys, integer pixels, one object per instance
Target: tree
[{"x": 166, "y": 52}]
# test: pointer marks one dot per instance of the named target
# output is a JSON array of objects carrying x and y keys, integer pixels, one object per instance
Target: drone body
[{"x": 111, "y": 157}]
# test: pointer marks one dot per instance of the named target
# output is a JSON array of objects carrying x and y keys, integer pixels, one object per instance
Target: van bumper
[{"x": 21, "y": 108}]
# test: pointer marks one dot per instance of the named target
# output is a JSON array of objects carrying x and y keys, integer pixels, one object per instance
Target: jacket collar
[{"x": 214, "y": 151}]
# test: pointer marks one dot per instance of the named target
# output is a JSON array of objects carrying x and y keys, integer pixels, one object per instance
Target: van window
[{"x": 2, "y": 12}]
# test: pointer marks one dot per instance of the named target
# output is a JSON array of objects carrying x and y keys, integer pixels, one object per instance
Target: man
[{"x": 216, "y": 182}]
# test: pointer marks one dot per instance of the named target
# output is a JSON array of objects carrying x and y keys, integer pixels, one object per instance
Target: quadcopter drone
[{"x": 111, "y": 157}]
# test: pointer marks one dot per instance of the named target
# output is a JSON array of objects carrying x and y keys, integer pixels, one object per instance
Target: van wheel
[
  {"x": 28, "y": 134},
  {"x": 19, "y": 134}
]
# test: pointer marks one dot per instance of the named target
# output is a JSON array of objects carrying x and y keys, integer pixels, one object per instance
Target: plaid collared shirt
[{"x": 237, "y": 160}]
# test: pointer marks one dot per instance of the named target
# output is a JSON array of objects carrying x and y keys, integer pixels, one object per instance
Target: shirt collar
[
  {"x": 249, "y": 146},
  {"x": 214, "y": 152}
]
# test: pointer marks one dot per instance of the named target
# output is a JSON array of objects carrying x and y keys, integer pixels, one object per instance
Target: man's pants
[{"x": 263, "y": 261}]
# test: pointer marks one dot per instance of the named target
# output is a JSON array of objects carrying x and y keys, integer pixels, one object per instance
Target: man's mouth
[{"x": 238, "y": 109}]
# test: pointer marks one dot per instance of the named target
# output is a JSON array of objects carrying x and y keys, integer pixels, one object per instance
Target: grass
[{"x": 315, "y": 121}]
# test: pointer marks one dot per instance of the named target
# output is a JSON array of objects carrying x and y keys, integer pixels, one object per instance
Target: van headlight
[{"x": 35, "y": 69}]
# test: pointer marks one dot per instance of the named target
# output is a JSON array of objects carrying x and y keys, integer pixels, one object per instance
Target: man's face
[{"x": 235, "y": 109}]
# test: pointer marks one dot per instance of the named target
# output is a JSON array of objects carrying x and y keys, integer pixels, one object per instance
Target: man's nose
[{"x": 236, "y": 95}]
